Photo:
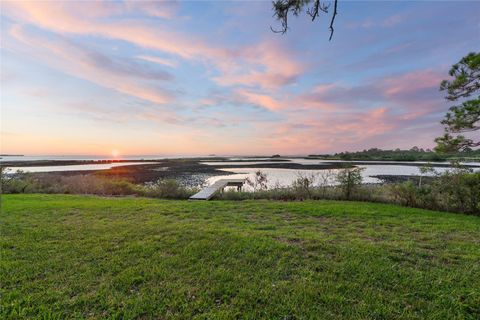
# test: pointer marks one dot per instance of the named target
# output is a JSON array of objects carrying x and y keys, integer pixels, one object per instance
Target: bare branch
[
  {"x": 317, "y": 6},
  {"x": 333, "y": 19}
]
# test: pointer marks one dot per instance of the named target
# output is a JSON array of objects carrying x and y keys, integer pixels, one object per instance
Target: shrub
[
  {"x": 325, "y": 180},
  {"x": 459, "y": 191},
  {"x": 15, "y": 182},
  {"x": 349, "y": 179},
  {"x": 405, "y": 193},
  {"x": 78, "y": 184},
  {"x": 90, "y": 184},
  {"x": 259, "y": 181},
  {"x": 472, "y": 184},
  {"x": 304, "y": 184},
  {"x": 168, "y": 189}
]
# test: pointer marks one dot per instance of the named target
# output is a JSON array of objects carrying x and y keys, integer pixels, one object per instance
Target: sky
[{"x": 210, "y": 77}]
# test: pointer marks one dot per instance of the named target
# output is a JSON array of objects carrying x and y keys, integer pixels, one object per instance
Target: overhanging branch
[{"x": 333, "y": 19}]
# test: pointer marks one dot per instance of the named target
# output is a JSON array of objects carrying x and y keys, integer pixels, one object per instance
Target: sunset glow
[{"x": 150, "y": 78}]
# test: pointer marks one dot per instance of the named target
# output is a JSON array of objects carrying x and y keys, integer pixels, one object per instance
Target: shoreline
[
  {"x": 194, "y": 172},
  {"x": 281, "y": 163},
  {"x": 186, "y": 172}
]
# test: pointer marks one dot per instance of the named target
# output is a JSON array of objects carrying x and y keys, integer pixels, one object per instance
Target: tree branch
[
  {"x": 333, "y": 19},
  {"x": 282, "y": 8}
]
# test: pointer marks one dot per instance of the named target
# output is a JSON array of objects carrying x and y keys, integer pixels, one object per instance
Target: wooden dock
[{"x": 208, "y": 192}]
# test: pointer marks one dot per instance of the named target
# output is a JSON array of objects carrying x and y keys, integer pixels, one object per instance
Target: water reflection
[
  {"x": 79, "y": 167},
  {"x": 285, "y": 177}
]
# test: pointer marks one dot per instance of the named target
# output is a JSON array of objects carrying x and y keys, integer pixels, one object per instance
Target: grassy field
[{"x": 122, "y": 258}]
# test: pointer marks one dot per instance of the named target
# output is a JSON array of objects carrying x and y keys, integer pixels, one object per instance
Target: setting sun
[{"x": 115, "y": 153}]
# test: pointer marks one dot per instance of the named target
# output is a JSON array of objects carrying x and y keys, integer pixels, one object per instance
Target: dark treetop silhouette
[
  {"x": 282, "y": 8},
  {"x": 465, "y": 117}
]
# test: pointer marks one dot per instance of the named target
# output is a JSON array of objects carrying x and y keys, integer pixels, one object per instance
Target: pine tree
[{"x": 466, "y": 116}]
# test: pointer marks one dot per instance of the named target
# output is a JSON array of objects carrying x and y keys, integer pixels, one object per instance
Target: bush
[
  {"x": 405, "y": 193},
  {"x": 304, "y": 184},
  {"x": 77, "y": 184},
  {"x": 459, "y": 191},
  {"x": 259, "y": 181},
  {"x": 168, "y": 189},
  {"x": 90, "y": 184},
  {"x": 15, "y": 182},
  {"x": 456, "y": 190},
  {"x": 349, "y": 179}
]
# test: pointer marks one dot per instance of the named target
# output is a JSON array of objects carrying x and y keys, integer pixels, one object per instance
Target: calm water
[
  {"x": 65, "y": 158},
  {"x": 285, "y": 177},
  {"x": 282, "y": 177},
  {"x": 79, "y": 167}
]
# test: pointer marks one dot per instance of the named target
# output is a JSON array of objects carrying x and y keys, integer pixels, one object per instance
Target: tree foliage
[
  {"x": 413, "y": 154},
  {"x": 349, "y": 179},
  {"x": 313, "y": 8},
  {"x": 466, "y": 80},
  {"x": 466, "y": 116}
]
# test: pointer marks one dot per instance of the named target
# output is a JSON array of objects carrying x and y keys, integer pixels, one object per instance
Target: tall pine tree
[{"x": 464, "y": 117}]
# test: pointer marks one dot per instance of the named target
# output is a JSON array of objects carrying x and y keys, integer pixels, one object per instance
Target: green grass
[{"x": 122, "y": 258}]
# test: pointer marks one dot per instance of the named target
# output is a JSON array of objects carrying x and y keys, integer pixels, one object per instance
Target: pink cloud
[
  {"x": 270, "y": 66},
  {"x": 158, "y": 60},
  {"x": 159, "y": 9},
  {"x": 82, "y": 63},
  {"x": 69, "y": 11},
  {"x": 411, "y": 82},
  {"x": 262, "y": 100},
  {"x": 330, "y": 131},
  {"x": 314, "y": 99},
  {"x": 265, "y": 64},
  {"x": 364, "y": 125},
  {"x": 407, "y": 93}
]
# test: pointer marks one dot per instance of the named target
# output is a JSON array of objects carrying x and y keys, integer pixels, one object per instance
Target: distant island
[
  {"x": 413, "y": 154},
  {"x": 12, "y": 155}
]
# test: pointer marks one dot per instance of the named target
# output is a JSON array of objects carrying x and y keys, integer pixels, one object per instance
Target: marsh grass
[{"x": 123, "y": 258}]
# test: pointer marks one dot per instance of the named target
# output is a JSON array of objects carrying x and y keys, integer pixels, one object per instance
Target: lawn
[{"x": 121, "y": 258}]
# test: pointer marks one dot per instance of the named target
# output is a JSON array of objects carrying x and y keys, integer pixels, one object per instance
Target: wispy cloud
[
  {"x": 158, "y": 60},
  {"x": 265, "y": 101},
  {"x": 95, "y": 67},
  {"x": 265, "y": 64}
]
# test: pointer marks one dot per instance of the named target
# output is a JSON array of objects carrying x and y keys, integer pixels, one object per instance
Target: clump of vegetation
[
  {"x": 13, "y": 182},
  {"x": 259, "y": 181},
  {"x": 455, "y": 190},
  {"x": 167, "y": 189},
  {"x": 20, "y": 182},
  {"x": 458, "y": 190},
  {"x": 405, "y": 193},
  {"x": 304, "y": 184},
  {"x": 413, "y": 154},
  {"x": 349, "y": 180}
]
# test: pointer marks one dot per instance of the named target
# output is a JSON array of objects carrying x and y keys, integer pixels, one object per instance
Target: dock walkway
[{"x": 208, "y": 192}]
